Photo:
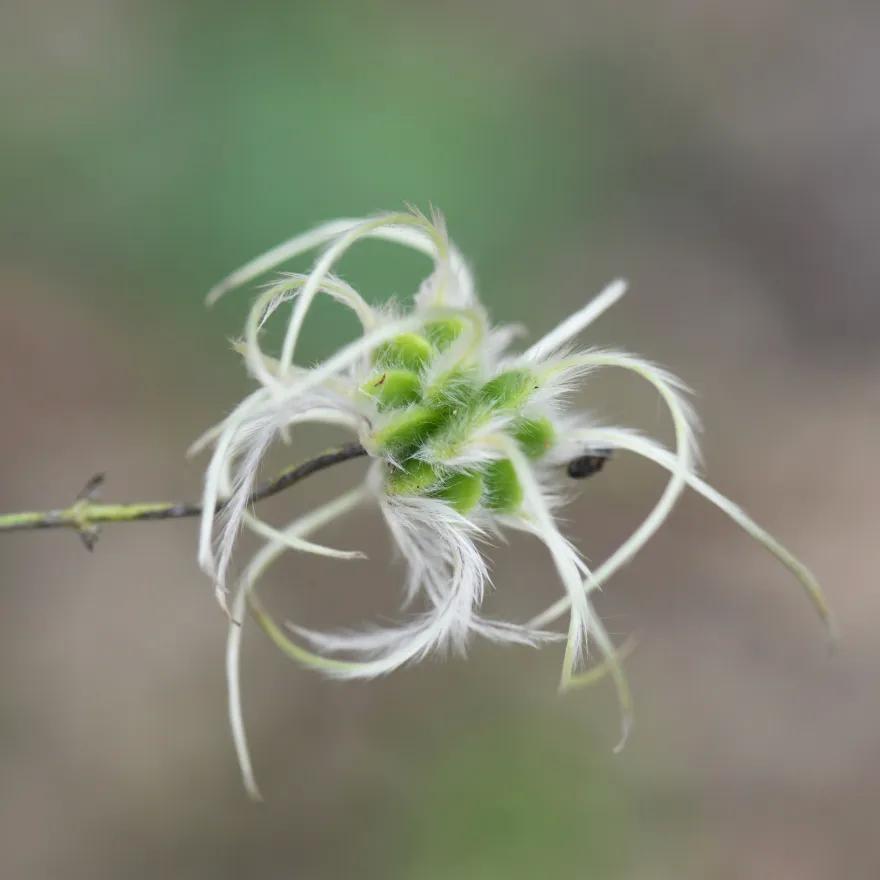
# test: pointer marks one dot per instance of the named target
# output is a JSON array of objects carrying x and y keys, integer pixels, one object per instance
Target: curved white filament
[
  {"x": 647, "y": 448},
  {"x": 298, "y": 530},
  {"x": 579, "y": 321},
  {"x": 683, "y": 422},
  {"x": 569, "y": 566},
  {"x": 323, "y": 266},
  {"x": 323, "y": 234}
]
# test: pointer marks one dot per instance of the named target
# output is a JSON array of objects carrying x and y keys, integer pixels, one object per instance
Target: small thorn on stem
[
  {"x": 92, "y": 488},
  {"x": 89, "y": 536}
]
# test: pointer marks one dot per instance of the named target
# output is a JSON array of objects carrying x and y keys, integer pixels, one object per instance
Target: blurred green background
[{"x": 722, "y": 156}]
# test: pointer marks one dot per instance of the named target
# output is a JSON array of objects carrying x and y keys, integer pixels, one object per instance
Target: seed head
[{"x": 467, "y": 439}]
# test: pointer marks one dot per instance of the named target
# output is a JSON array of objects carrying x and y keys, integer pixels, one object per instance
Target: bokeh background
[{"x": 722, "y": 155}]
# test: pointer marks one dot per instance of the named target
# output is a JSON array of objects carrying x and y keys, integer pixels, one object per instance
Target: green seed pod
[
  {"x": 503, "y": 491},
  {"x": 462, "y": 491},
  {"x": 407, "y": 431},
  {"x": 393, "y": 389},
  {"x": 409, "y": 350},
  {"x": 444, "y": 332},
  {"x": 456, "y": 395},
  {"x": 456, "y": 389},
  {"x": 415, "y": 477},
  {"x": 535, "y": 436},
  {"x": 509, "y": 390}
]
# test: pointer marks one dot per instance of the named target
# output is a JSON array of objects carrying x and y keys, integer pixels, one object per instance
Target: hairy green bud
[
  {"x": 393, "y": 389},
  {"x": 462, "y": 491},
  {"x": 444, "y": 332},
  {"x": 404, "y": 433},
  {"x": 414, "y": 477},
  {"x": 409, "y": 350},
  {"x": 535, "y": 436},
  {"x": 503, "y": 491},
  {"x": 509, "y": 390}
]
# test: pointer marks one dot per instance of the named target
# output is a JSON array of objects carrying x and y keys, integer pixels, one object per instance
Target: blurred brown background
[{"x": 723, "y": 156}]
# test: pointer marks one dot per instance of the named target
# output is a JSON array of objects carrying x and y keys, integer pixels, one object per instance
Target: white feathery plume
[
  {"x": 684, "y": 422},
  {"x": 632, "y": 441},
  {"x": 254, "y": 423},
  {"x": 288, "y": 288},
  {"x": 338, "y": 247},
  {"x": 416, "y": 239},
  {"x": 289, "y": 249},
  {"x": 576, "y": 323},
  {"x": 583, "y": 620},
  {"x": 297, "y": 531},
  {"x": 466, "y": 441},
  {"x": 445, "y": 564},
  {"x": 249, "y": 435}
]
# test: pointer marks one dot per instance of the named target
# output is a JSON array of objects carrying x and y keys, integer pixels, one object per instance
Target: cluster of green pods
[{"x": 450, "y": 409}]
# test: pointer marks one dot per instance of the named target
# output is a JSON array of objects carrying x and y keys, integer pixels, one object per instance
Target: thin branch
[{"x": 86, "y": 513}]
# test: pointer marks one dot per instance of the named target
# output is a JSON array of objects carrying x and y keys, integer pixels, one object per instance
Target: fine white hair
[{"x": 468, "y": 411}]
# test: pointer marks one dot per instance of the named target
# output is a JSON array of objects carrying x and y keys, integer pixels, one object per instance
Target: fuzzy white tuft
[{"x": 467, "y": 439}]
